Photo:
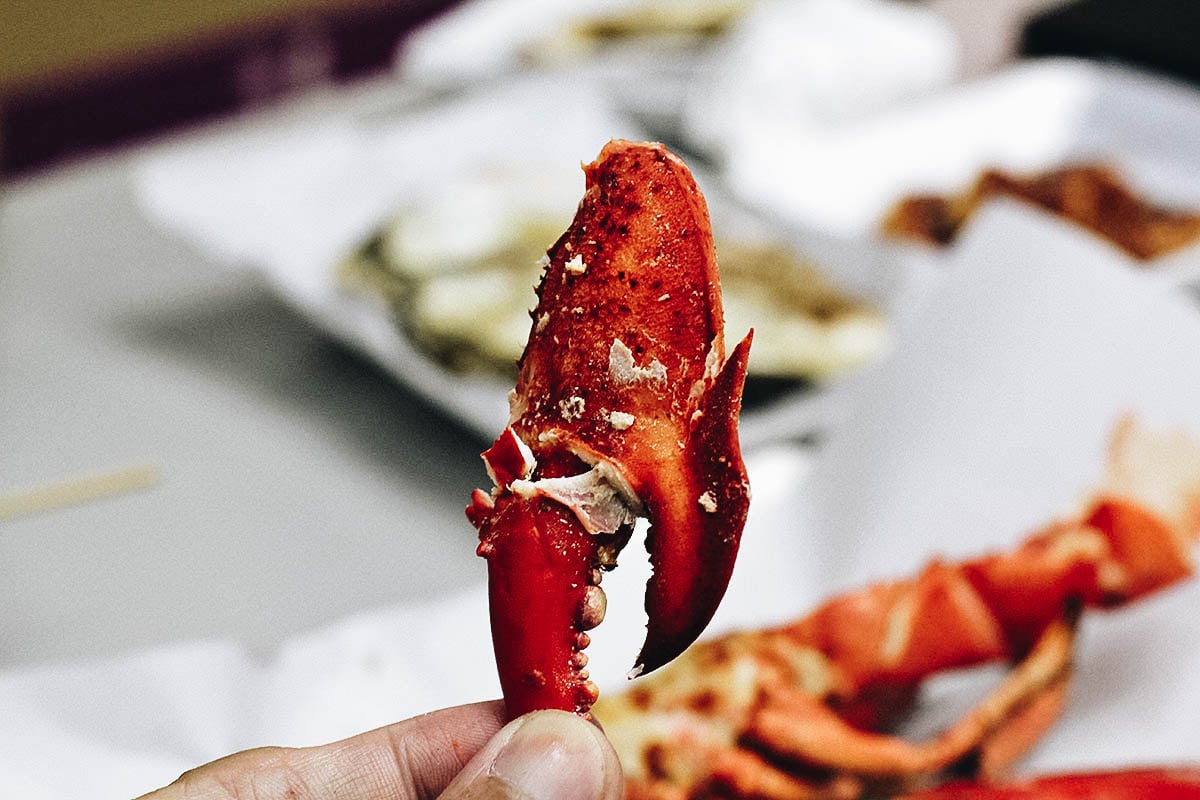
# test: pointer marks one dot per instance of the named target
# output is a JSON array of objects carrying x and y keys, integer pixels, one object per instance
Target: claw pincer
[{"x": 625, "y": 406}]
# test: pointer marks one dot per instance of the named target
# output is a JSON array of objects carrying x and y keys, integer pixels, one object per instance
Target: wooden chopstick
[{"x": 78, "y": 490}]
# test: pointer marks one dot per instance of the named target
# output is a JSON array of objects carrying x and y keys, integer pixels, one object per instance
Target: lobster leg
[
  {"x": 800, "y": 710},
  {"x": 826, "y": 741},
  {"x": 625, "y": 406}
]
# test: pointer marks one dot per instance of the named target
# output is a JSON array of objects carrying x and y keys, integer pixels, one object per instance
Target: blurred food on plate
[
  {"x": 684, "y": 22},
  {"x": 457, "y": 270},
  {"x": 479, "y": 40},
  {"x": 645, "y": 55},
  {"x": 1028, "y": 117},
  {"x": 1093, "y": 195},
  {"x": 805, "y": 325},
  {"x": 458, "y": 264},
  {"x": 466, "y": 316}
]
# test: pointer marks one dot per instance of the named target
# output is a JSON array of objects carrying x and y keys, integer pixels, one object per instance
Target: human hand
[{"x": 460, "y": 753}]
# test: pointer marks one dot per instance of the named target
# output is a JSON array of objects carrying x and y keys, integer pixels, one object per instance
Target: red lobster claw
[{"x": 625, "y": 406}]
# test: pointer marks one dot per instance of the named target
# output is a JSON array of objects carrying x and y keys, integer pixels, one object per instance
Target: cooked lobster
[
  {"x": 625, "y": 406},
  {"x": 799, "y": 711}
]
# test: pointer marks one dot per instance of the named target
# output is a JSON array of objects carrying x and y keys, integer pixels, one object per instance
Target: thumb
[{"x": 545, "y": 755}]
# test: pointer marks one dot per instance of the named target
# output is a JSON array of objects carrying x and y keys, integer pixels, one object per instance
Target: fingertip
[{"x": 543, "y": 755}]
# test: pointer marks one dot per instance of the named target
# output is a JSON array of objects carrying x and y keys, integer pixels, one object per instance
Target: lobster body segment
[{"x": 625, "y": 406}]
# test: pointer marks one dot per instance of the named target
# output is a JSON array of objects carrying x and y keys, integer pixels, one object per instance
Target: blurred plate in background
[
  {"x": 415, "y": 240},
  {"x": 1033, "y": 116}
]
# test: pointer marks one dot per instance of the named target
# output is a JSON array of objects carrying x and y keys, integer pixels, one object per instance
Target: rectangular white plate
[
  {"x": 1035, "y": 115},
  {"x": 293, "y": 202}
]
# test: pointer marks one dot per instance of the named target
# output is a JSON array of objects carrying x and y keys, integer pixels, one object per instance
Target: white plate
[
  {"x": 648, "y": 74},
  {"x": 293, "y": 202},
  {"x": 1033, "y": 116}
]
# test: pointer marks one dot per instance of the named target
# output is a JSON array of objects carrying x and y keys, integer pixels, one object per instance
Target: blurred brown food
[{"x": 1091, "y": 195}]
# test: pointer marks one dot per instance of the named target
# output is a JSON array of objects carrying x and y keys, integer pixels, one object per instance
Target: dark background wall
[{"x": 79, "y": 77}]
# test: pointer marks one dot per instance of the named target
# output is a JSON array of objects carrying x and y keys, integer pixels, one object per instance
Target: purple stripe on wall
[{"x": 90, "y": 115}]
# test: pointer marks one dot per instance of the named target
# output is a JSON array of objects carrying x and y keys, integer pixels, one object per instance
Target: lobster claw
[{"x": 625, "y": 406}]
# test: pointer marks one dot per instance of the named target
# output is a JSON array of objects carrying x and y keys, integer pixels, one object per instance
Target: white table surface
[{"x": 297, "y": 483}]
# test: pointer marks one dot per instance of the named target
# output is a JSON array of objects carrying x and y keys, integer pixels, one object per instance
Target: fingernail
[
  {"x": 552, "y": 755},
  {"x": 545, "y": 755}
]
